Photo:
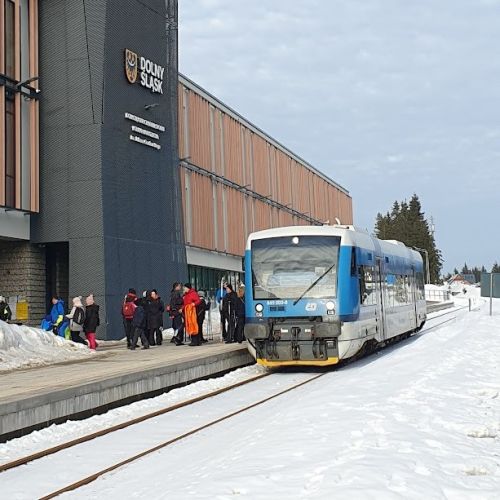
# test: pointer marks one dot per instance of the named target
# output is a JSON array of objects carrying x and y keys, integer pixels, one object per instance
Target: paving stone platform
[{"x": 34, "y": 398}]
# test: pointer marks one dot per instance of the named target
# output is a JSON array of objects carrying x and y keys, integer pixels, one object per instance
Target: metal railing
[{"x": 437, "y": 295}]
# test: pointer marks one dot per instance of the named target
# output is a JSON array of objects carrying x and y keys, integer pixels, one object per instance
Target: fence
[{"x": 437, "y": 295}]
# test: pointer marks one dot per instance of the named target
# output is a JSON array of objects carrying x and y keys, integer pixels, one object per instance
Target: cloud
[{"x": 352, "y": 85}]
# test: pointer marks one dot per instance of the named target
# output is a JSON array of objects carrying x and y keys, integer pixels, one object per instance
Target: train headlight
[
  {"x": 330, "y": 306},
  {"x": 259, "y": 308}
]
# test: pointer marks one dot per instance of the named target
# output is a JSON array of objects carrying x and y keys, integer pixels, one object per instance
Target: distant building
[{"x": 461, "y": 279}]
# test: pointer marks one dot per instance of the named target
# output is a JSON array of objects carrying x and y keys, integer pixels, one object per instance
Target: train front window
[{"x": 284, "y": 268}]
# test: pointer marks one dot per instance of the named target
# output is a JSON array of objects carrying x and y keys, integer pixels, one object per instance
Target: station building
[{"x": 116, "y": 171}]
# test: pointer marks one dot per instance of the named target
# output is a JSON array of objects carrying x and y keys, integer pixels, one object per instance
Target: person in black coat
[
  {"x": 229, "y": 304},
  {"x": 146, "y": 297},
  {"x": 175, "y": 311},
  {"x": 201, "y": 311},
  {"x": 139, "y": 324},
  {"x": 239, "y": 312},
  {"x": 155, "y": 318},
  {"x": 91, "y": 321},
  {"x": 5, "y": 312}
]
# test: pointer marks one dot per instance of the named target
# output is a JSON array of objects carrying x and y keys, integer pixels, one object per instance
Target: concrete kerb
[{"x": 22, "y": 416}]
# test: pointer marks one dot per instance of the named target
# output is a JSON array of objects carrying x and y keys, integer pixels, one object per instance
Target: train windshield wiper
[{"x": 311, "y": 286}]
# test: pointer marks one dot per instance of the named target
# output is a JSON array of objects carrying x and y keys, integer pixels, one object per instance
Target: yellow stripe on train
[{"x": 323, "y": 362}]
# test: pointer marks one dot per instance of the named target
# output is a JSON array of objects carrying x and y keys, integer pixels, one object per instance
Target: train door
[{"x": 379, "y": 280}]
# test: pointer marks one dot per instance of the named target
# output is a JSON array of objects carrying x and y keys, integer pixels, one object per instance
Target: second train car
[{"x": 317, "y": 295}]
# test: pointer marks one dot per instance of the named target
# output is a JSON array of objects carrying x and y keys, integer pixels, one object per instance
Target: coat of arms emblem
[{"x": 131, "y": 65}]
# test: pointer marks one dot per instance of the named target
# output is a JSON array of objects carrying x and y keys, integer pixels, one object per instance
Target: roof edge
[{"x": 184, "y": 80}]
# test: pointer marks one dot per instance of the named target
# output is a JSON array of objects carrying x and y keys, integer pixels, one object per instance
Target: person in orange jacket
[{"x": 191, "y": 299}]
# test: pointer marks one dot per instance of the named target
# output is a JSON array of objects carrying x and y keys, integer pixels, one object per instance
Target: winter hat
[
  {"x": 132, "y": 290},
  {"x": 188, "y": 285},
  {"x": 90, "y": 300},
  {"x": 77, "y": 301}
]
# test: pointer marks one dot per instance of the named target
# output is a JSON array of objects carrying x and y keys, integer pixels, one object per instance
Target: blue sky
[{"x": 387, "y": 97}]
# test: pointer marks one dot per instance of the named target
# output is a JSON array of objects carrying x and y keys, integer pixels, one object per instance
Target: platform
[{"x": 35, "y": 398}]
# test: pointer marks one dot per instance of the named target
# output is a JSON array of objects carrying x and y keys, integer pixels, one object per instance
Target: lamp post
[{"x": 427, "y": 268}]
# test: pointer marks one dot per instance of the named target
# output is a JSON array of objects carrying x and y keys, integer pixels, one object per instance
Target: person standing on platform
[
  {"x": 55, "y": 318},
  {"x": 128, "y": 309},
  {"x": 139, "y": 324},
  {"x": 146, "y": 296},
  {"x": 155, "y": 318},
  {"x": 201, "y": 311},
  {"x": 239, "y": 310},
  {"x": 175, "y": 311},
  {"x": 191, "y": 300},
  {"x": 5, "y": 312},
  {"x": 230, "y": 301},
  {"x": 91, "y": 321},
  {"x": 77, "y": 319},
  {"x": 219, "y": 297}
]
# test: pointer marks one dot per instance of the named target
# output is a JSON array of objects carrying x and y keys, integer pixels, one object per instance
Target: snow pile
[{"x": 25, "y": 347}]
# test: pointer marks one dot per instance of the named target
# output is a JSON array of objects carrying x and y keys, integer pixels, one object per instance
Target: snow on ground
[
  {"x": 56, "y": 434},
  {"x": 26, "y": 347},
  {"x": 417, "y": 420}
]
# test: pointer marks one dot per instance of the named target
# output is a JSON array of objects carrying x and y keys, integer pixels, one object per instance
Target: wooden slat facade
[
  {"x": 27, "y": 175},
  {"x": 219, "y": 217}
]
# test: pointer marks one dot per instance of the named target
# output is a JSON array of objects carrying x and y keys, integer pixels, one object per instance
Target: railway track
[
  {"x": 93, "y": 477},
  {"x": 73, "y": 485},
  {"x": 103, "y": 432},
  {"x": 38, "y": 461}
]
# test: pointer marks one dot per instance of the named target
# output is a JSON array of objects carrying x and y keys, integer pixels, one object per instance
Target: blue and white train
[{"x": 318, "y": 295}]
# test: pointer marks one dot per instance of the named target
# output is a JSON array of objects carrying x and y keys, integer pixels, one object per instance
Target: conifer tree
[{"x": 406, "y": 223}]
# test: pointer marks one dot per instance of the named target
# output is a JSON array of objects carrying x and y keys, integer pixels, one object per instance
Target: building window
[
  {"x": 10, "y": 150},
  {"x": 10, "y": 114},
  {"x": 10, "y": 51}
]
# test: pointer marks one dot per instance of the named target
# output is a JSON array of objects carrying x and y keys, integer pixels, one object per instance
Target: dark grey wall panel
[
  {"x": 116, "y": 202},
  {"x": 141, "y": 200}
]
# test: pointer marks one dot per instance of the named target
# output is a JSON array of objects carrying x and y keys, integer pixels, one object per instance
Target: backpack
[
  {"x": 79, "y": 316},
  {"x": 128, "y": 309}
]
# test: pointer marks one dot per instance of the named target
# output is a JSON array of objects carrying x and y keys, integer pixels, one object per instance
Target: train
[{"x": 317, "y": 295}]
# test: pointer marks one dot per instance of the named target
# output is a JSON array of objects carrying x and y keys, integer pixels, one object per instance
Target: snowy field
[
  {"x": 420, "y": 420},
  {"x": 25, "y": 347}
]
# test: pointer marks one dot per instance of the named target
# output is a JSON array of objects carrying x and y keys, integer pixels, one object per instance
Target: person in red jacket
[
  {"x": 128, "y": 309},
  {"x": 191, "y": 299}
]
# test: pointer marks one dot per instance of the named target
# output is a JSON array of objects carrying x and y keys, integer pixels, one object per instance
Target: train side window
[
  {"x": 367, "y": 293},
  {"x": 420, "y": 286},
  {"x": 353, "y": 261},
  {"x": 401, "y": 297},
  {"x": 390, "y": 289}
]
